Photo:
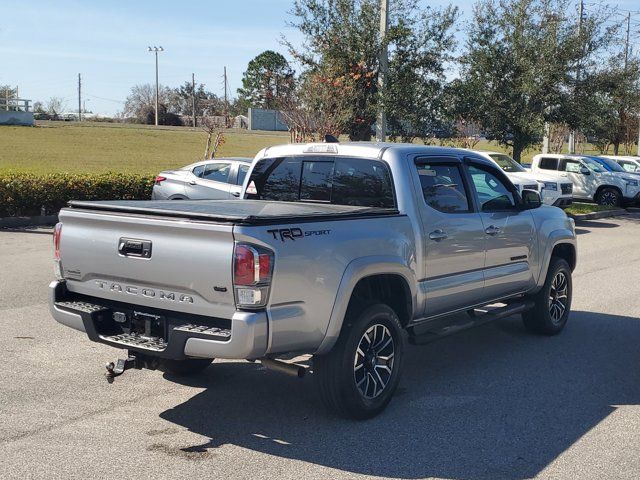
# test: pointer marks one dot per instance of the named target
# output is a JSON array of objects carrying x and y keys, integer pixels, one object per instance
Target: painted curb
[
  {"x": 38, "y": 221},
  {"x": 598, "y": 215}
]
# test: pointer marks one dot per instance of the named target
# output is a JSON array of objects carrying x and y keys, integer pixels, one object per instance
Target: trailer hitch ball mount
[{"x": 118, "y": 368}]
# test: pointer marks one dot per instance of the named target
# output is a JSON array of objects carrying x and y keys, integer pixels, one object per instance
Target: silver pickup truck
[{"x": 341, "y": 251}]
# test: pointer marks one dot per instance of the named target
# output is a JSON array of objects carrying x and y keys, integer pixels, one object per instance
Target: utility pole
[
  {"x": 226, "y": 100},
  {"x": 193, "y": 97},
  {"x": 156, "y": 50},
  {"x": 626, "y": 43},
  {"x": 626, "y": 63},
  {"x": 381, "y": 121},
  {"x": 572, "y": 134},
  {"x": 79, "y": 98}
]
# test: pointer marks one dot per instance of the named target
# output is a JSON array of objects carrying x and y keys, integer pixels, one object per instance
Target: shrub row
[{"x": 26, "y": 194}]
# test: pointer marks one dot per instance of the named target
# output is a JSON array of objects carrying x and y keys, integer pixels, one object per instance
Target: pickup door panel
[
  {"x": 454, "y": 265},
  {"x": 508, "y": 253}
]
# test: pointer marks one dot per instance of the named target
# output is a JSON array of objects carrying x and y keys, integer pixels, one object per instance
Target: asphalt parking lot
[{"x": 489, "y": 403}]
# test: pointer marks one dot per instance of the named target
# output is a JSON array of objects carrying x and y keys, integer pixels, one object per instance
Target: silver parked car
[{"x": 215, "y": 179}]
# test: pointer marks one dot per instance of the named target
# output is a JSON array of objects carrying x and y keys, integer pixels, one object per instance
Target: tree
[
  {"x": 342, "y": 37},
  {"x": 214, "y": 128},
  {"x": 267, "y": 82},
  {"x": 55, "y": 106},
  {"x": 518, "y": 67},
  {"x": 414, "y": 98},
  {"x": 615, "y": 107},
  {"x": 38, "y": 107},
  {"x": 7, "y": 93},
  {"x": 207, "y": 103},
  {"x": 319, "y": 105},
  {"x": 141, "y": 104}
]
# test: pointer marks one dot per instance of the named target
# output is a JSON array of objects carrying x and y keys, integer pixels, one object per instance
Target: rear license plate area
[{"x": 148, "y": 325}]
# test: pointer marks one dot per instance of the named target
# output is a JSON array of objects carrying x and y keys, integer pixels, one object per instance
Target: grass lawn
[
  {"x": 99, "y": 147},
  {"x": 92, "y": 147},
  {"x": 581, "y": 208}
]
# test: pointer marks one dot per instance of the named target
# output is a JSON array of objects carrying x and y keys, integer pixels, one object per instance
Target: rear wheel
[
  {"x": 186, "y": 367},
  {"x": 552, "y": 302},
  {"x": 358, "y": 377},
  {"x": 609, "y": 196}
]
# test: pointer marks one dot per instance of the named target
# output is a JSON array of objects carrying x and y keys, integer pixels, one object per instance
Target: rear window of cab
[{"x": 322, "y": 179}]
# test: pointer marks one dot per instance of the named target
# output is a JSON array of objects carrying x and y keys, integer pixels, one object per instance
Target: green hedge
[{"x": 26, "y": 194}]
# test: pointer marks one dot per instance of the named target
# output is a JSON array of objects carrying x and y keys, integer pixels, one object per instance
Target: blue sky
[{"x": 44, "y": 45}]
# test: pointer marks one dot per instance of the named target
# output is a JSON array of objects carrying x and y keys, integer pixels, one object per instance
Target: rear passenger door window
[
  {"x": 217, "y": 172},
  {"x": 443, "y": 188},
  {"x": 547, "y": 163}
]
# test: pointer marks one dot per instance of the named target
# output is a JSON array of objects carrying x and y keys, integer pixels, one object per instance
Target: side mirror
[
  {"x": 584, "y": 170},
  {"x": 530, "y": 199}
]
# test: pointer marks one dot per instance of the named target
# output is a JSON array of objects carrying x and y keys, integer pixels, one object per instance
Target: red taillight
[
  {"x": 160, "y": 179},
  {"x": 265, "y": 266},
  {"x": 251, "y": 265},
  {"x": 244, "y": 266},
  {"x": 57, "y": 233}
]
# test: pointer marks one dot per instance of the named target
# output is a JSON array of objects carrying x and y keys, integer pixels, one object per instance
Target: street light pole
[{"x": 156, "y": 50}]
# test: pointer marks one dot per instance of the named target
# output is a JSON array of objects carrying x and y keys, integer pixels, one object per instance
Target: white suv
[
  {"x": 592, "y": 180},
  {"x": 552, "y": 191}
]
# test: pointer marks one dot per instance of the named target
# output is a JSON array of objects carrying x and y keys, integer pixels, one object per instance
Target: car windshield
[
  {"x": 506, "y": 163},
  {"x": 608, "y": 164}
]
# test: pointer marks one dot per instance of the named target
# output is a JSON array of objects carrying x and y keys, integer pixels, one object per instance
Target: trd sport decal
[{"x": 295, "y": 233}]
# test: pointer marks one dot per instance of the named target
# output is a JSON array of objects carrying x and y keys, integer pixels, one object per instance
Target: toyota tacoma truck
[{"x": 339, "y": 251}]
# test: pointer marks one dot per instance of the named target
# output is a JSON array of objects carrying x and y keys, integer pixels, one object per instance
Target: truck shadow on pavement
[{"x": 492, "y": 402}]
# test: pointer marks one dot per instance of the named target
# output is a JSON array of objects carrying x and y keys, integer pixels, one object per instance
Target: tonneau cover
[{"x": 233, "y": 211}]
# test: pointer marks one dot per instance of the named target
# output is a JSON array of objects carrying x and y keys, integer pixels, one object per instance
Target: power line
[{"x": 103, "y": 98}]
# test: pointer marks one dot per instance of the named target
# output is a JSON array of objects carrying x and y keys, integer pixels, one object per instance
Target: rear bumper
[{"x": 245, "y": 339}]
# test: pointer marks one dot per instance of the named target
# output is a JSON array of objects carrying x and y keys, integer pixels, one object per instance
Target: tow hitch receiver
[{"x": 116, "y": 369}]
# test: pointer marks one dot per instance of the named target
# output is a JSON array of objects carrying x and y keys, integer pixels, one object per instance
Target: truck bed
[{"x": 241, "y": 212}]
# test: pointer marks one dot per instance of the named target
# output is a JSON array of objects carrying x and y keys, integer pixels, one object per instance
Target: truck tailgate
[{"x": 188, "y": 269}]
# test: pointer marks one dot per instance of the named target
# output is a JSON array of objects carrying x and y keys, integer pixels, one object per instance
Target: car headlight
[
  {"x": 631, "y": 183},
  {"x": 550, "y": 186}
]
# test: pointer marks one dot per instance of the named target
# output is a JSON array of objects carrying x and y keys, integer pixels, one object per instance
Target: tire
[
  {"x": 609, "y": 196},
  {"x": 553, "y": 302},
  {"x": 182, "y": 368},
  {"x": 345, "y": 377}
]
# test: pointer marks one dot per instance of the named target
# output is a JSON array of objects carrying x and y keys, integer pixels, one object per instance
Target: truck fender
[
  {"x": 355, "y": 271},
  {"x": 555, "y": 238}
]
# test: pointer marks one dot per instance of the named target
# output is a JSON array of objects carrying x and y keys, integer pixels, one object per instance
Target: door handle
[
  {"x": 492, "y": 230},
  {"x": 235, "y": 194},
  {"x": 192, "y": 182},
  {"x": 438, "y": 235}
]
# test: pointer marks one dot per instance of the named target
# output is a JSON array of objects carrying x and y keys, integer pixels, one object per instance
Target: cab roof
[{"x": 367, "y": 150}]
